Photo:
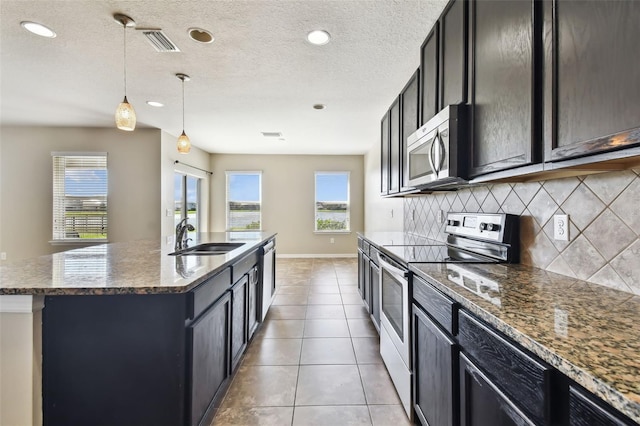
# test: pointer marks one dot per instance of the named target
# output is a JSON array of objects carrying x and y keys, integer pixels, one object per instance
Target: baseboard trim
[{"x": 311, "y": 256}]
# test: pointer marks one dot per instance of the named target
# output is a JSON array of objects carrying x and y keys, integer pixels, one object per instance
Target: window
[
  {"x": 332, "y": 202},
  {"x": 80, "y": 183},
  {"x": 186, "y": 199},
  {"x": 244, "y": 198}
]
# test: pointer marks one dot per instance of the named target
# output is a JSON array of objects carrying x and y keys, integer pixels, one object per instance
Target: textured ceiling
[{"x": 258, "y": 75}]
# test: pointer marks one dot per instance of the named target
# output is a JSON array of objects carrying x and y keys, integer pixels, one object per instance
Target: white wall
[
  {"x": 288, "y": 196},
  {"x": 26, "y": 184},
  {"x": 381, "y": 214},
  {"x": 197, "y": 158}
]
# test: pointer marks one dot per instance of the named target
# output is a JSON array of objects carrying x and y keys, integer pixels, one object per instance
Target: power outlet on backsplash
[{"x": 441, "y": 216}]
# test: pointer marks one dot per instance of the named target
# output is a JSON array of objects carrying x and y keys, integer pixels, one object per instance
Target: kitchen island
[{"x": 134, "y": 335}]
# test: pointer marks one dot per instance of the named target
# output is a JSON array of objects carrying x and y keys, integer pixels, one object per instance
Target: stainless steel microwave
[{"x": 437, "y": 153}]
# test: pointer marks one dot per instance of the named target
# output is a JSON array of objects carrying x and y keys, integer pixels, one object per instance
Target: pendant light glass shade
[
  {"x": 125, "y": 116},
  {"x": 184, "y": 144}
]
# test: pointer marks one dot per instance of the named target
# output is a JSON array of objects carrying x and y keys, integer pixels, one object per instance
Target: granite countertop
[
  {"x": 588, "y": 332},
  {"x": 136, "y": 267}
]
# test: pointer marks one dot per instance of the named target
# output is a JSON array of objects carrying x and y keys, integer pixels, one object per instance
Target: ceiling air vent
[
  {"x": 272, "y": 134},
  {"x": 159, "y": 40}
]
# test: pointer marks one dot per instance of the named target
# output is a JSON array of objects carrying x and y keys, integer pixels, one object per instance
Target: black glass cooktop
[{"x": 436, "y": 254}]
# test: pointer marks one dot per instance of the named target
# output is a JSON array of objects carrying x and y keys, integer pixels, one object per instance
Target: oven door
[
  {"x": 394, "y": 307},
  {"x": 421, "y": 161}
]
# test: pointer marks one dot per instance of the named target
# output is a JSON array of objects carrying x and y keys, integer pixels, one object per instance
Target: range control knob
[
  {"x": 489, "y": 226},
  {"x": 452, "y": 222}
]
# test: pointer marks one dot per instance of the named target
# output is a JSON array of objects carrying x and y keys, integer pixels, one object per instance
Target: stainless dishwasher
[{"x": 268, "y": 276}]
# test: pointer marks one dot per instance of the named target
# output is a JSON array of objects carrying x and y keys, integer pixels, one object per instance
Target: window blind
[{"x": 80, "y": 186}]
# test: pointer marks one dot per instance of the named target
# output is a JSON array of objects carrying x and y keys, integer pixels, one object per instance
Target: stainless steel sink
[{"x": 207, "y": 249}]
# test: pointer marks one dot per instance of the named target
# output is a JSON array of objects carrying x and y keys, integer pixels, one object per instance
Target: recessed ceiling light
[
  {"x": 38, "y": 29},
  {"x": 318, "y": 37},
  {"x": 319, "y": 106},
  {"x": 200, "y": 35},
  {"x": 155, "y": 104}
]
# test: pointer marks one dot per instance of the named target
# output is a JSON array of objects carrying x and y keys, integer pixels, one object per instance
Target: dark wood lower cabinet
[
  {"x": 435, "y": 362},
  {"x": 585, "y": 411},
  {"x": 481, "y": 401},
  {"x": 239, "y": 319},
  {"x": 208, "y": 337}
]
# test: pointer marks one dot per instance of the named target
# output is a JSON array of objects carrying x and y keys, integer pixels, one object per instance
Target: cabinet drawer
[
  {"x": 244, "y": 265},
  {"x": 439, "y": 306},
  {"x": 522, "y": 377},
  {"x": 585, "y": 411},
  {"x": 208, "y": 292}
]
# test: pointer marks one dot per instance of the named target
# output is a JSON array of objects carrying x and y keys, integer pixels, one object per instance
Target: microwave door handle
[
  {"x": 442, "y": 153},
  {"x": 432, "y": 159}
]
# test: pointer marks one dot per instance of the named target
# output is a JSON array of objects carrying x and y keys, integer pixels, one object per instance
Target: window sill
[
  {"x": 77, "y": 242},
  {"x": 331, "y": 232}
]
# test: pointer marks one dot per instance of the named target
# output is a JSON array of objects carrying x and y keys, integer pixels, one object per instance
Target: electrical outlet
[
  {"x": 561, "y": 322},
  {"x": 169, "y": 213},
  {"x": 413, "y": 215},
  {"x": 331, "y": 240},
  {"x": 561, "y": 227},
  {"x": 391, "y": 213},
  {"x": 440, "y": 216},
  {"x": 3, "y": 256}
]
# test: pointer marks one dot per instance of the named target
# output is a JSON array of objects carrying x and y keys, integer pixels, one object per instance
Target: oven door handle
[{"x": 386, "y": 265}]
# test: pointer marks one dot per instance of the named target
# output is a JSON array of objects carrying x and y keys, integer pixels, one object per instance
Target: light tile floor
[{"x": 315, "y": 361}]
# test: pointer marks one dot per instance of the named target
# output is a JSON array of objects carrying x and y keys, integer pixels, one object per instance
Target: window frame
[
  {"x": 315, "y": 203},
  {"x": 54, "y": 206},
  {"x": 228, "y": 173}
]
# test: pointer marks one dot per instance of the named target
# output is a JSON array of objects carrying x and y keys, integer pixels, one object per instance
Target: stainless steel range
[{"x": 471, "y": 238}]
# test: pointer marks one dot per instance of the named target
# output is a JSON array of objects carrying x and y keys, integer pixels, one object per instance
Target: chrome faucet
[{"x": 181, "y": 233}]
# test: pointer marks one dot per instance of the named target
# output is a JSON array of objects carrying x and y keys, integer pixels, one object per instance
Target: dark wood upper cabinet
[
  {"x": 410, "y": 99},
  {"x": 384, "y": 155},
  {"x": 592, "y": 79},
  {"x": 394, "y": 147},
  {"x": 453, "y": 57},
  {"x": 429, "y": 75},
  {"x": 506, "y": 126}
]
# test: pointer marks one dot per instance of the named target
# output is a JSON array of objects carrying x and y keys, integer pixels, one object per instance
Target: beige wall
[
  {"x": 288, "y": 189},
  {"x": 26, "y": 184},
  {"x": 197, "y": 158},
  {"x": 381, "y": 214}
]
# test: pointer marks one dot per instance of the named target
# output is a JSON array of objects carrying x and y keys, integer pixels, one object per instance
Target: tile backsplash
[{"x": 604, "y": 216}]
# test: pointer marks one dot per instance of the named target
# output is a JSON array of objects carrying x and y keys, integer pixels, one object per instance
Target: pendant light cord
[
  {"x": 182, "y": 104},
  {"x": 124, "y": 54}
]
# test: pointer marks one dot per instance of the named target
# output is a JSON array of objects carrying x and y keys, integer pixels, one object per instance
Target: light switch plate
[{"x": 561, "y": 227}]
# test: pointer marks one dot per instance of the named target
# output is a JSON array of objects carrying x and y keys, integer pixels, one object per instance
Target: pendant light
[
  {"x": 184, "y": 144},
  {"x": 125, "y": 115}
]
